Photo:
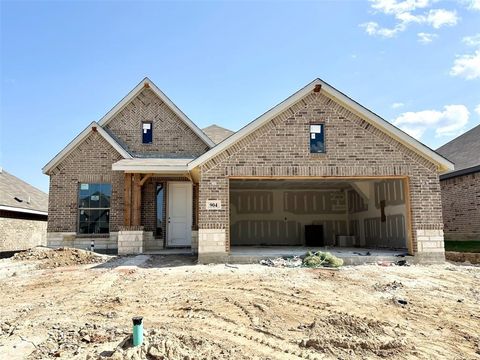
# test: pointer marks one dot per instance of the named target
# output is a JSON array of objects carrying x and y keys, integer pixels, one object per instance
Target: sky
[{"x": 416, "y": 63}]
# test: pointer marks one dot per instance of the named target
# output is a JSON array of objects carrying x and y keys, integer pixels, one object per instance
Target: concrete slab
[
  {"x": 134, "y": 262},
  {"x": 171, "y": 251},
  {"x": 350, "y": 256}
]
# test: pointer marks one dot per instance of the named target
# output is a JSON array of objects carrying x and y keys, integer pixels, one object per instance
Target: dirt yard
[{"x": 63, "y": 309}]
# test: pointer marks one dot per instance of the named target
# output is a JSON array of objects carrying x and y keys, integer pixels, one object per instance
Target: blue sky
[{"x": 64, "y": 64}]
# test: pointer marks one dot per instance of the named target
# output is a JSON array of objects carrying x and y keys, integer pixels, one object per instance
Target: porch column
[
  {"x": 128, "y": 200},
  {"x": 137, "y": 199}
]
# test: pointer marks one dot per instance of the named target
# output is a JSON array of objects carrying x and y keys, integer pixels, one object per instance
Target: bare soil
[
  {"x": 52, "y": 258},
  {"x": 237, "y": 312}
]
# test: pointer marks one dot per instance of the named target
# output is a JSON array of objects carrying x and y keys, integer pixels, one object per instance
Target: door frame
[{"x": 189, "y": 214}]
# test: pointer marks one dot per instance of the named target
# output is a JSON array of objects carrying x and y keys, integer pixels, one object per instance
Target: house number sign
[{"x": 214, "y": 205}]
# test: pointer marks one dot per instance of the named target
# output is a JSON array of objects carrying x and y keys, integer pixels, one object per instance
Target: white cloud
[
  {"x": 403, "y": 13},
  {"x": 477, "y": 109},
  {"x": 372, "y": 28},
  {"x": 426, "y": 38},
  {"x": 473, "y": 4},
  {"x": 397, "y": 105},
  {"x": 441, "y": 17},
  {"x": 450, "y": 121},
  {"x": 394, "y": 7},
  {"x": 473, "y": 40},
  {"x": 467, "y": 66}
]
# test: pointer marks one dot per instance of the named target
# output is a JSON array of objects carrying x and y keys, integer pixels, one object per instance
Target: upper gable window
[
  {"x": 147, "y": 132},
  {"x": 317, "y": 138}
]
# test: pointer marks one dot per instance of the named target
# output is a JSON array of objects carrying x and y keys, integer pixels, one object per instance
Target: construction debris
[
  {"x": 321, "y": 259},
  {"x": 289, "y": 262}
]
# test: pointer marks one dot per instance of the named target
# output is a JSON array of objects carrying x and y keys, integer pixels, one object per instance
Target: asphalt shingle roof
[
  {"x": 463, "y": 151},
  {"x": 217, "y": 133},
  {"x": 19, "y": 194}
]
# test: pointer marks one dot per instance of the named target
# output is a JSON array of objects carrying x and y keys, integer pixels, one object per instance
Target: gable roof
[
  {"x": 17, "y": 195},
  {"x": 464, "y": 150},
  {"x": 146, "y": 82},
  {"x": 80, "y": 137},
  {"x": 217, "y": 133},
  {"x": 442, "y": 163}
]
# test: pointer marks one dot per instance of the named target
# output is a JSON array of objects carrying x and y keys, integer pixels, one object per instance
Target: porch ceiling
[{"x": 152, "y": 165}]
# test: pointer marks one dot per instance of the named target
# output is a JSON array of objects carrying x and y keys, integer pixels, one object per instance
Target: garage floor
[{"x": 350, "y": 256}]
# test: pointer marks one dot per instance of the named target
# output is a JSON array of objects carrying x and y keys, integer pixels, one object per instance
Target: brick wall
[
  {"x": 353, "y": 148},
  {"x": 171, "y": 136},
  {"x": 90, "y": 162},
  {"x": 461, "y": 207},
  {"x": 21, "y": 234}
]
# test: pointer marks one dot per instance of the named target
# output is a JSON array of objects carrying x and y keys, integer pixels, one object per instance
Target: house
[
  {"x": 461, "y": 187},
  {"x": 23, "y": 214},
  {"x": 318, "y": 169}
]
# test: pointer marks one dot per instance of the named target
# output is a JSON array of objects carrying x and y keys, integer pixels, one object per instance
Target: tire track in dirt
[{"x": 247, "y": 337}]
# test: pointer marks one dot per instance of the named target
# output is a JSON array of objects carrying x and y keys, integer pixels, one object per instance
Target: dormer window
[{"x": 147, "y": 132}]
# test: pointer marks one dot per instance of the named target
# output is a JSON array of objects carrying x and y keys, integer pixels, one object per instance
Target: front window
[
  {"x": 94, "y": 208},
  {"x": 317, "y": 138}
]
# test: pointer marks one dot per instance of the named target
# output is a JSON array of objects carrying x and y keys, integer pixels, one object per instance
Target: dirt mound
[
  {"x": 351, "y": 335},
  {"x": 52, "y": 258},
  {"x": 164, "y": 344}
]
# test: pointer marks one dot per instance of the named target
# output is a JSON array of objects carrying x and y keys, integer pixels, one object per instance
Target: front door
[{"x": 179, "y": 232}]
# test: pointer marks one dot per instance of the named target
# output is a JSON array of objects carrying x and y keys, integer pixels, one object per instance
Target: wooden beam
[
  {"x": 408, "y": 210},
  {"x": 128, "y": 200},
  {"x": 145, "y": 178},
  {"x": 137, "y": 200}
]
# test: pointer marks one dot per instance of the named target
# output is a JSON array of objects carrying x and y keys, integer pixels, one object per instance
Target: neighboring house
[
  {"x": 317, "y": 169},
  {"x": 461, "y": 187},
  {"x": 23, "y": 214}
]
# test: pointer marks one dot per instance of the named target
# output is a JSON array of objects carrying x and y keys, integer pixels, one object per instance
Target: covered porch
[{"x": 160, "y": 206}]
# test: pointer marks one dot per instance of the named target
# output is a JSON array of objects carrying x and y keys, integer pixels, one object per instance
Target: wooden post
[
  {"x": 128, "y": 200},
  {"x": 408, "y": 210},
  {"x": 137, "y": 200}
]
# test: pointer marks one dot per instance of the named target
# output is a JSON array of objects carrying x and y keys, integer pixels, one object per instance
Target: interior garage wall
[
  {"x": 278, "y": 216},
  {"x": 365, "y": 221}
]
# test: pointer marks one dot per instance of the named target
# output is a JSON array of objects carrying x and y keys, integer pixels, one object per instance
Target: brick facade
[
  {"x": 171, "y": 136},
  {"x": 280, "y": 148},
  {"x": 19, "y": 231},
  {"x": 90, "y": 162},
  {"x": 354, "y": 148},
  {"x": 461, "y": 207}
]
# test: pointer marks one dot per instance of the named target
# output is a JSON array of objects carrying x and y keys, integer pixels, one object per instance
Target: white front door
[{"x": 179, "y": 232}]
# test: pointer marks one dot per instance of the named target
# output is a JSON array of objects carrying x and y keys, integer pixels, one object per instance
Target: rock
[
  {"x": 86, "y": 338},
  {"x": 155, "y": 353},
  {"x": 402, "y": 302},
  {"x": 260, "y": 306}
]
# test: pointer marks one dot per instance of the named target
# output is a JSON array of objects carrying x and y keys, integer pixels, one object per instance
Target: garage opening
[{"x": 368, "y": 213}]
